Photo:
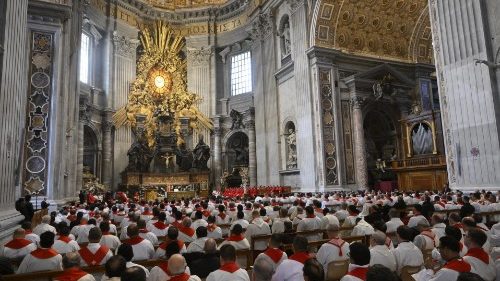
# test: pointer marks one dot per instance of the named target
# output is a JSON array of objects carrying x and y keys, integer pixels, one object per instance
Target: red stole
[
  {"x": 236, "y": 238},
  {"x": 181, "y": 277},
  {"x": 337, "y": 242},
  {"x": 206, "y": 213},
  {"x": 42, "y": 253},
  {"x": 64, "y": 238},
  {"x": 300, "y": 257},
  {"x": 160, "y": 225},
  {"x": 311, "y": 216},
  {"x": 72, "y": 274},
  {"x": 18, "y": 243},
  {"x": 431, "y": 235},
  {"x": 359, "y": 272},
  {"x": 461, "y": 245},
  {"x": 479, "y": 254},
  {"x": 148, "y": 213},
  {"x": 93, "y": 259},
  {"x": 458, "y": 265},
  {"x": 143, "y": 230},
  {"x": 134, "y": 241},
  {"x": 230, "y": 267},
  {"x": 274, "y": 253},
  {"x": 164, "y": 267},
  {"x": 186, "y": 230},
  {"x": 222, "y": 216},
  {"x": 164, "y": 245}
]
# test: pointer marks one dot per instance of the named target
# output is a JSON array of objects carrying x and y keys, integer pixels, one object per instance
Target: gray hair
[
  {"x": 262, "y": 270},
  {"x": 379, "y": 237},
  {"x": 70, "y": 260},
  {"x": 46, "y": 219}
]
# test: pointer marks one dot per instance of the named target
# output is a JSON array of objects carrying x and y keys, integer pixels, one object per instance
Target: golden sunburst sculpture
[{"x": 160, "y": 86}]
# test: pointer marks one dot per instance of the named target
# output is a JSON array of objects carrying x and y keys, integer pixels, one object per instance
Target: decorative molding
[
  {"x": 124, "y": 46},
  {"x": 262, "y": 26},
  {"x": 448, "y": 137},
  {"x": 295, "y": 4}
]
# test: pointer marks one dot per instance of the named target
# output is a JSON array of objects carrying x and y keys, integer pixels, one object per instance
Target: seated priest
[
  {"x": 172, "y": 237},
  {"x": 229, "y": 269},
  {"x": 94, "y": 253},
  {"x": 43, "y": 258},
  {"x": 143, "y": 248},
  {"x": 72, "y": 270},
  {"x": 18, "y": 247}
]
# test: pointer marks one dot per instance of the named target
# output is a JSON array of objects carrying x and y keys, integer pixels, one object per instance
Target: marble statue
[
  {"x": 237, "y": 119},
  {"x": 292, "y": 149},
  {"x": 422, "y": 139},
  {"x": 285, "y": 37}
]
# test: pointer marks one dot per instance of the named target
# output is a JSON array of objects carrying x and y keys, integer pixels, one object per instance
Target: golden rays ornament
[{"x": 161, "y": 84}]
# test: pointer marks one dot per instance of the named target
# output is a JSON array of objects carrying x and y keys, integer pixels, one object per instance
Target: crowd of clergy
[{"x": 199, "y": 239}]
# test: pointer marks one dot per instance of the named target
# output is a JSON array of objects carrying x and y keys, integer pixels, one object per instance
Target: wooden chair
[
  {"x": 336, "y": 270},
  {"x": 408, "y": 271}
]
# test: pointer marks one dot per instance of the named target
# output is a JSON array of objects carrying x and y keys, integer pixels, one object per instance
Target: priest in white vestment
[
  {"x": 480, "y": 261},
  {"x": 18, "y": 247},
  {"x": 43, "y": 258},
  {"x": 406, "y": 254},
  {"x": 229, "y": 269},
  {"x": 380, "y": 253},
  {"x": 335, "y": 250},
  {"x": 257, "y": 227}
]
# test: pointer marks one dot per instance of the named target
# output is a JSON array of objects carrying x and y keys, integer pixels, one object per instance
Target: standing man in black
[
  {"x": 81, "y": 196},
  {"x": 29, "y": 211}
]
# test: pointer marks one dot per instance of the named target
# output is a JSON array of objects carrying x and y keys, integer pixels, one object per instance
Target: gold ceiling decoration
[
  {"x": 160, "y": 86},
  {"x": 182, "y": 4},
  {"x": 390, "y": 29}
]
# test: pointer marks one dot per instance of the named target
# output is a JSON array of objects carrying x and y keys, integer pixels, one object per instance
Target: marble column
[
  {"x": 217, "y": 167},
  {"x": 107, "y": 125},
  {"x": 84, "y": 117},
  {"x": 359, "y": 142},
  {"x": 252, "y": 149}
]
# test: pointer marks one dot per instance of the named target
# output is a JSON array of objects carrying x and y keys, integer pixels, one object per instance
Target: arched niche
[
  {"x": 381, "y": 136},
  {"x": 235, "y": 151},
  {"x": 91, "y": 151}
]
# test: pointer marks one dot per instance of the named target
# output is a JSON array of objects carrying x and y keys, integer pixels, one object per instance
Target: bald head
[
  {"x": 19, "y": 233},
  {"x": 210, "y": 246},
  {"x": 176, "y": 264}
]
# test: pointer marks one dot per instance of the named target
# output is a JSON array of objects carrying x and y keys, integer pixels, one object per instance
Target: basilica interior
[{"x": 201, "y": 96}]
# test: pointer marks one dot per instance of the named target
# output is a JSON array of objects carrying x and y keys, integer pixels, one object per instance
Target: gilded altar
[{"x": 176, "y": 185}]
